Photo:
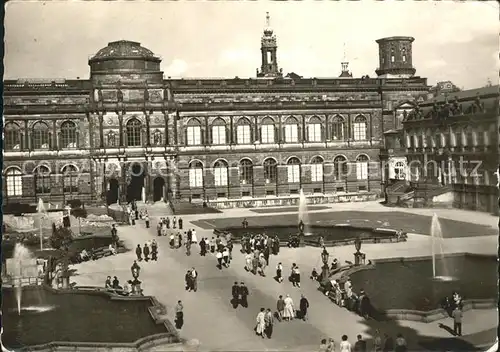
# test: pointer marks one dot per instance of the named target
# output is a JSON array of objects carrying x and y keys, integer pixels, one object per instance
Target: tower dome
[{"x": 125, "y": 60}]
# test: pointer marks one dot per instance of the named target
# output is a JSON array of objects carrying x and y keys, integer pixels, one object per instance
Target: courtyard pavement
[{"x": 213, "y": 325}]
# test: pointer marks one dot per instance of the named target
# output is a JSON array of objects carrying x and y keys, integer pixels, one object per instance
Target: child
[{"x": 314, "y": 275}]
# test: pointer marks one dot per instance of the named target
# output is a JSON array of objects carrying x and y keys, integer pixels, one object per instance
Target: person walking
[
  {"x": 154, "y": 251},
  {"x": 280, "y": 307},
  {"x": 203, "y": 247},
  {"x": 212, "y": 245},
  {"x": 189, "y": 281},
  {"x": 304, "y": 306},
  {"x": 179, "y": 315},
  {"x": 235, "y": 293},
  {"x": 179, "y": 236},
  {"x": 296, "y": 276},
  {"x": 219, "y": 257},
  {"x": 345, "y": 345},
  {"x": 279, "y": 272},
  {"x": 457, "y": 315},
  {"x": 194, "y": 278},
  {"x": 193, "y": 235},
  {"x": 138, "y": 252},
  {"x": 360, "y": 345},
  {"x": 248, "y": 262},
  {"x": 269, "y": 322},
  {"x": 146, "y": 220},
  {"x": 244, "y": 295},
  {"x": 145, "y": 250},
  {"x": 225, "y": 257},
  {"x": 289, "y": 312},
  {"x": 180, "y": 223},
  {"x": 261, "y": 322},
  {"x": 174, "y": 222},
  {"x": 188, "y": 248}
]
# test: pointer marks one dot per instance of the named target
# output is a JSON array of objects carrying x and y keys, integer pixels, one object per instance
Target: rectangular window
[
  {"x": 245, "y": 194},
  {"x": 243, "y": 134},
  {"x": 314, "y": 132},
  {"x": 361, "y": 188},
  {"x": 362, "y": 171},
  {"x": 219, "y": 135},
  {"x": 317, "y": 173},
  {"x": 220, "y": 176},
  {"x": 294, "y": 191},
  {"x": 267, "y": 134},
  {"x": 221, "y": 195},
  {"x": 42, "y": 184},
  {"x": 340, "y": 189},
  {"x": 291, "y": 133},
  {"x": 14, "y": 185},
  {"x": 195, "y": 177},
  {"x": 293, "y": 173},
  {"x": 269, "y": 193},
  {"x": 317, "y": 190},
  {"x": 194, "y": 135},
  {"x": 195, "y": 196},
  {"x": 359, "y": 131}
]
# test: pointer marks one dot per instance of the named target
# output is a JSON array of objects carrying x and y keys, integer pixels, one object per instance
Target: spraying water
[
  {"x": 303, "y": 214},
  {"x": 22, "y": 259},
  {"x": 437, "y": 250}
]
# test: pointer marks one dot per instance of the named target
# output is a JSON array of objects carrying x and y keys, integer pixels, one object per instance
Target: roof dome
[{"x": 124, "y": 49}]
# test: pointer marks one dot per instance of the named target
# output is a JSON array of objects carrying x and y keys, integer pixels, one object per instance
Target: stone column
[
  {"x": 101, "y": 130},
  {"x": 120, "y": 121}
]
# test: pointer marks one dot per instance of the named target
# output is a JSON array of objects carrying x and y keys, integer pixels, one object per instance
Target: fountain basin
[
  {"x": 406, "y": 284},
  {"x": 333, "y": 235},
  {"x": 75, "y": 316}
]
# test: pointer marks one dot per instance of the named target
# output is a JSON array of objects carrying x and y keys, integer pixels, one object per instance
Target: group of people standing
[
  {"x": 145, "y": 251},
  {"x": 164, "y": 225}
]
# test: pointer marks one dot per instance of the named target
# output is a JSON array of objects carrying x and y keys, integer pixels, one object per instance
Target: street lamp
[{"x": 324, "y": 258}]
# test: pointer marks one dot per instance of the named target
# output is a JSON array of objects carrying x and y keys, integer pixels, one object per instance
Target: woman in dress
[
  {"x": 289, "y": 312},
  {"x": 261, "y": 322}
]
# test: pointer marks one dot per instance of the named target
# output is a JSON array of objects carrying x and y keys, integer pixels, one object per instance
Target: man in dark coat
[
  {"x": 235, "y": 292},
  {"x": 180, "y": 223},
  {"x": 189, "y": 236},
  {"x": 167, "y": 222},
  {"x": 138, "y": 252},
  {"x": 154, "y": 251},
  {"x": 304, "y": 305},
  {"x": 243, "y": 295},
  {"x": 203, "y": 247},
  {"x": 364, "y": 305},
  {"x": 189, "y": 280},
  {"x": 145, "y": 250}
]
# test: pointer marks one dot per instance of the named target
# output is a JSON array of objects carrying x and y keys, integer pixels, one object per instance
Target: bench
[{"x": 100, "y": 253}]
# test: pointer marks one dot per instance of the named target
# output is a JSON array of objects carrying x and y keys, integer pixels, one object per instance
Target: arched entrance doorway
[
  {"x": 158, "y": 189},
  {"x": 113, "y": 191},
  {"x": 136, "y": 185}
]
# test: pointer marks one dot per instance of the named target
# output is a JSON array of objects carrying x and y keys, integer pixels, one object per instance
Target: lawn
[{"x": 412, "y": 223}]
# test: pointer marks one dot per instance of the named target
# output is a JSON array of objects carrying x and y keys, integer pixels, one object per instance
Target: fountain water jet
[
  {"x": 437, "y": 249},
  {"x": 303, "y": 214},
  {"x": 22, "y": 259}
]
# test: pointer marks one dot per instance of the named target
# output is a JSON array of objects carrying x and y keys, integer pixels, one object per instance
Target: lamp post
[{"x": 324, "y": 258}]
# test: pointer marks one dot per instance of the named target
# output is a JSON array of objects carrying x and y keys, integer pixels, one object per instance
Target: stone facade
[{"x": 127, "y": 133}]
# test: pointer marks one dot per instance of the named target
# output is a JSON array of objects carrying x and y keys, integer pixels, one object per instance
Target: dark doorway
[
  {"x": 113, "y": 193},
  {"x": 134, "y": 188},
  {"x": 158, "y": 188}
]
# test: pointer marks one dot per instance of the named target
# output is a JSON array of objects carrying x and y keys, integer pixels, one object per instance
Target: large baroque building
[{"x": 129, "y": 133}]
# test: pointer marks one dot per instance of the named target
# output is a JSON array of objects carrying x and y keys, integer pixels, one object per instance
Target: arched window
[
  {"x": 314, "y": 131},
  {"x": 270, "y": 170},
  {"x": 220, "y": 173},
  {"x": 362, "y": 167},
  {"x": 111, "y": 139},
  {"x": 267, "y": 131},
  {"x": 12, "y": 135},
  {"x": 68, "y": 135},
  {"x": 157, "y": 138},
  {"x": 360, "y": 128},
  {"x": 42, "y": 180},
  {"x": 341, "y": 167},
  {"x": 193, "y": 132},
  {"x": 244, "y": 132},
  {"x": 134, "y": 131},
  {"x": 399, "y": 170},
  {"x": 14, "y": 182},
  {"x": 196, "y": 174},
  {"x": 338, "y": 129},
  {"x": 219, "y": 132},
  {"x": 393, "y": 57},
  {"x": 317, "y": 169},
  {"x": 70, "y": 179},
  {"x": 403, "y": 54},
  {"x": 40, "y": 136},
  {"x": 246, "y": 172},
  {"x": 293, "y": 168},
  {"x": 291, "y": 130}
]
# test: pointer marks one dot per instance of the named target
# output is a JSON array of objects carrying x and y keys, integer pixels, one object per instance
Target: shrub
[{"x": 61, "y": 237}]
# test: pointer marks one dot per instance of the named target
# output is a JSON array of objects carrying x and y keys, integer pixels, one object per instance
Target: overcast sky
[{"x": 453, "y": 41}]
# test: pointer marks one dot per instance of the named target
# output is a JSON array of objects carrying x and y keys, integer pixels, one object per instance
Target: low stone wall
[
  {"x": 291, "y": 200},
  {"x": 118, "y": 215},
  {"x": 157, "y": 312}
]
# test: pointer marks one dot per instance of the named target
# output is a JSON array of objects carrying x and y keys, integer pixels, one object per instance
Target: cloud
[{"x": 176, "y": 68}]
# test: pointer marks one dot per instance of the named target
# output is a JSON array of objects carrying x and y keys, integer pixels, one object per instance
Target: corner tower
[
  {"x": 268, "y": 48},
  {"x": 395, "y": 57}
]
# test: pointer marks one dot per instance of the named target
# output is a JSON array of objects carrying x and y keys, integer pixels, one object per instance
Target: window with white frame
[
  {"x": 243, "y": 134},
  {"x": 359, "y": 128},
  {"x": 246, "y": 172},
  {"x": 267, "y": 133},
  {"x": 196, "y": 175},
  {"x": 42, "y": 180},
  {"x": 362, "y": 167},
  {"x": 399, "y": 170},
  {"x": 270, "y": 170},
  {"x": 314, "y": 131},
  {"x": 317, "y": 169},
  {"x": 14, "y": 182},
  {"x": 293, "y": 168},
  {"x": 219, "y": 135},
  {"x": 338, "y": 128},
  {"x": 291, "y": 133},
  {"x": 220, "y": 173},
  {"x": 193, "y": 134}
]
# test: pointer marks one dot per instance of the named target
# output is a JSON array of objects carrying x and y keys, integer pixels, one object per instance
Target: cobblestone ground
[{"x": 212, "y": 324}]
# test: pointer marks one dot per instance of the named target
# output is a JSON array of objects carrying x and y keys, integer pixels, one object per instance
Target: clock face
[{"x": 110, "y": 121}]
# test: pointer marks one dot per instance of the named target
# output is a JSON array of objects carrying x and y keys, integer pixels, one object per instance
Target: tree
[
  {"x": 79, "y": 213},
  {"x": 60, "y": 240},
  {"x": 61, "y": 237}
]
